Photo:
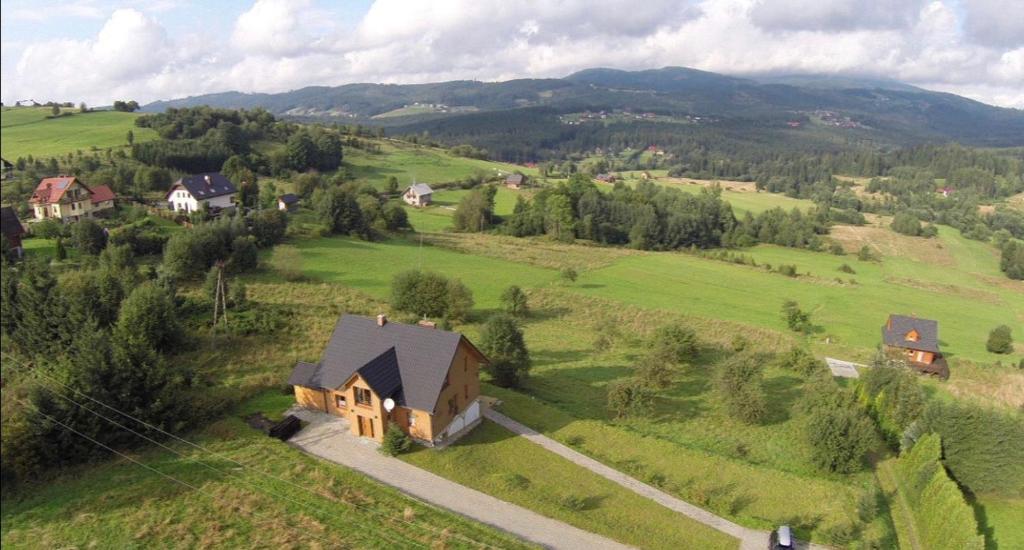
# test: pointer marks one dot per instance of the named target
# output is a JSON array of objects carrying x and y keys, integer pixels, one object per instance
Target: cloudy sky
[{"x": 100, "y": 50}]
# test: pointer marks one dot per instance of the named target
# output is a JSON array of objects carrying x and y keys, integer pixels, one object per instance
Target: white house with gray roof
[
  {"x": 190, "y": 193},
  {"x": 418, "y": 194}
]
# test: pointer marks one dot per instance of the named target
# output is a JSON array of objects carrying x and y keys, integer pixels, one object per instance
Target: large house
[
  {"x": 190, "y": 193},
  {"x": 915, "y": 341},
  {"x": 12, "y": 229},
  {"x": 375, "y": 372},
  {"x": 418, "y": 194},
  {"x": 66, "y": 199}
]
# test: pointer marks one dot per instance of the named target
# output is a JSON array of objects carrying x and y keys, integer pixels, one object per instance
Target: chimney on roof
[
  {"x": 427, "y": 324},
  {"x": 209, "y": 182},
  {"x": 382, "y": 320}
]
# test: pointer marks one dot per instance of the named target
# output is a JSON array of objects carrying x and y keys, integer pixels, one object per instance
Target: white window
[{"x": 412, "y": 419}]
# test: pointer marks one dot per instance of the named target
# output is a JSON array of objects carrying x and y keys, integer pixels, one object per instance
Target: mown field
[{"x": 28, "y": 131}]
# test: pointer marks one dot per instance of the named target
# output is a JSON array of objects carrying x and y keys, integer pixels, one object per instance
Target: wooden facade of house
[{"x": 432, "y": 376}]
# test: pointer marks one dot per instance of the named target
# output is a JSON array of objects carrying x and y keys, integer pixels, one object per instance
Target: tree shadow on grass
[{"x": 781, "y": 392}]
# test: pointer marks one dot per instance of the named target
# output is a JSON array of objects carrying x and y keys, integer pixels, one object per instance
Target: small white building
[
  {"x": 190, "y": 193},
  {"x": 418, "y": 194}
]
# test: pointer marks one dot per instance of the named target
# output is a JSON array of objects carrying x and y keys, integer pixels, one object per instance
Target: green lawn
[
  {"x": 27, "y": 131},
  {"x": 966, "y": 306},
  {"x": 369, "y": 266},
  {"x": 497, "y": 462},
  {"x": 437, "y": 217},
  {"x": 1001, "y": 521},
  {"x": 118, "y": 504}
]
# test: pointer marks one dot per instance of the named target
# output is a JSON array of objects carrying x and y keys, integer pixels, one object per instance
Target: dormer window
[{"x": 912, "y": 336}]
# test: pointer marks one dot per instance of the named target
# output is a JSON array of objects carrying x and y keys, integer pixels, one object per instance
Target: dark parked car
[{"x": 781, "y": 539}]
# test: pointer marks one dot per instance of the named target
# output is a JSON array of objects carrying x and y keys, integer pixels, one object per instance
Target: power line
[
  {"x": 196, "y": 488},
  {"x": 198, "y": 461},
  {"x": 257, "y": 470}
]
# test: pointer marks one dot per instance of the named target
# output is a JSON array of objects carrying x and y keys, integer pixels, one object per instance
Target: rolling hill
[{"x": 827, "y": 108}]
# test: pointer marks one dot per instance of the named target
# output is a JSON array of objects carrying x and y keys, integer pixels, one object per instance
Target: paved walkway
[
  {"x": 749, "y": 538},
  {"x": 844, "y": 369},
  {"x": 328, "y": 437}
]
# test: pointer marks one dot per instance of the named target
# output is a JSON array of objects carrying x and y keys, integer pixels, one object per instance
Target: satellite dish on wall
[{"x": 389, "y": 404}]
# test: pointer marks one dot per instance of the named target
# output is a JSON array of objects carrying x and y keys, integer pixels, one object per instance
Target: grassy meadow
[
  {"x": 119, "y": 504},
  {"x": 31, "y": 131}
]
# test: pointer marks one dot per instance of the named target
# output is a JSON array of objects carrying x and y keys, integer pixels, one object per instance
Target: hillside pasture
[
  {"x": 29, "y": 131},
  {"x": 410, "y": 163}
]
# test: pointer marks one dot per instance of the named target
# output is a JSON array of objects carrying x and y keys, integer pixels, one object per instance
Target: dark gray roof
[
  {"x": 10, "y": 226},
  {"x": 289, "y": 198},
  {"x": 382, "y": 374},
  {"x": 207, "y": 185},
  {"x": 423, "y": 356},
  {"x": 515, "y": 179},
  {"x": 895, "y": 331},
  {"x": 305, "y": 374}
]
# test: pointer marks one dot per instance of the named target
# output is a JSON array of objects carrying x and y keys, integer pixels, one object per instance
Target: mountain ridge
[{"x": 881, "y": 110}]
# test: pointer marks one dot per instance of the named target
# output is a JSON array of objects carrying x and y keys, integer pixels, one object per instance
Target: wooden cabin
[{"x": 915, "y": 341}]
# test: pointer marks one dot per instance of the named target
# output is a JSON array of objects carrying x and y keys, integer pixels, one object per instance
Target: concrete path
[
  {"x": 844, "y": 369},
  {"x": 749, "y": 538},
  {"x": 328, "y": 437}
]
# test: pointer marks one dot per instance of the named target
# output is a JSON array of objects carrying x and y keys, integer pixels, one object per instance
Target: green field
[
  {"x": 27, "y": 131},
  {"x": 497, "y": 462},
  {"x": 284, "y": 499},
  {"x": 369, "y": 266},
  {"x": 423, "y": 164},
  {"x": 437, "y": 217}
]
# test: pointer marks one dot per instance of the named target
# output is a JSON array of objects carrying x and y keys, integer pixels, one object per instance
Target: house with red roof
[{"x": 67, "y": 199}]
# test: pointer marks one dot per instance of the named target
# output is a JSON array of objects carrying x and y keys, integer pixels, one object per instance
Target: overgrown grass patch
[{"x": 118, "y": 504}]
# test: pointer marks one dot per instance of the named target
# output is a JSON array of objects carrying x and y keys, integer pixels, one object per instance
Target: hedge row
[{"x": 942, "y": 517}]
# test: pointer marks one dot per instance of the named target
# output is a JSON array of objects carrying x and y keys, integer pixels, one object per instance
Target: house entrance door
[{"x": 365, "y": 426}]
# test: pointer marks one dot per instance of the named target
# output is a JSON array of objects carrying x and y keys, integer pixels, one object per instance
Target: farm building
[
  {"x": 287, "y": 202},
  {"x": 190, "y": 193},
  {"x": 12, "y": 229},
  {"x": 418, "y": 194},
  {"x": 375, "y": 372},
  {"x": 915, "y": 341},
  {"x": 515, "y": 181},
  {"x": 67, "y": 199},
  {"x": 607, "y": 178}
]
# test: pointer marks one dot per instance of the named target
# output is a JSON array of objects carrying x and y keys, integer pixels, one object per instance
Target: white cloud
[
  {"x": 277, "y": 45},
  {"x": 272, "y": 28},
  {"x": 995, "y": 22}
]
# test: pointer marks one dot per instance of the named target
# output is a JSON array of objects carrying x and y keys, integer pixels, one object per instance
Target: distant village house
[
  {"x": 67, "y": 199},
  {"x": 191, "y": 193},
  {"x": 375, "y": 373},
  {"x": 288, "y": 202},
  {"x": 515, "y": 181},
  {"x": 418, "y": 194}
]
